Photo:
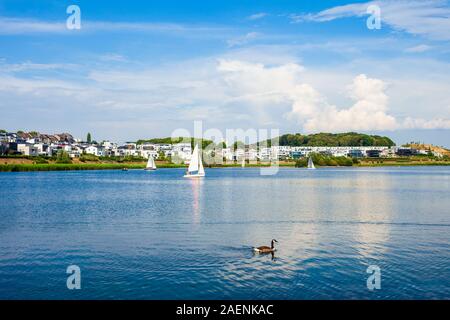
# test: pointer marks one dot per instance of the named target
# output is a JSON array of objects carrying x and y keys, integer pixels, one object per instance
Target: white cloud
[
  {"x": 10, "y": 25},
  {"x": 418, "y": 49},
  {"x": 19, "y": 26},
  {"x": 260, "y": 86},
  {"x": 348, "y": 10},
  {"x": 31, "y": 66},
  {"x": 121, "y": 26},
  {"x": 239, "y": 41},
  {"x": 257, "y": 16},
  {"x": 411, "y": 123},
  {"x": 115, "y": 57},
  {"x": 225, "y": 92},
  {"x": 430, "y": 18},
  {"x": 367, "y": 113}
]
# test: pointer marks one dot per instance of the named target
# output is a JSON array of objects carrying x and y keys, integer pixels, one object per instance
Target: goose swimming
[{"x": 266, "y": 249}]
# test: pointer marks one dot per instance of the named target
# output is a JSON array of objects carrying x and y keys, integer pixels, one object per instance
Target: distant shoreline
[{"x": 120, "y": 166}]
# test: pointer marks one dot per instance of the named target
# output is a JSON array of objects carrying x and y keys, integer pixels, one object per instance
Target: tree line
[{"x": 349, "y": 139}]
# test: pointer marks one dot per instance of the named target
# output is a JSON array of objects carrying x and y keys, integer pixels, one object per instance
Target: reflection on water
[
  {"x": 372, "y": 206},
  {"x": 136, "y": 235},
  {"x": 196, "y": 184}
]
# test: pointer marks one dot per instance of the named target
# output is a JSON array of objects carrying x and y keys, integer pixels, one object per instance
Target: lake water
[{"x": 155, "y": 235}]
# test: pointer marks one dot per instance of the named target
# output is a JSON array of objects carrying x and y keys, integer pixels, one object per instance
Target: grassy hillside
[{"x": 429, "y": 147}]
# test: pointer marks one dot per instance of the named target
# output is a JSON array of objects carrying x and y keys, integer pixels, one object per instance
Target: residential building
[
  {"x": 27, "y": 149},
  {"x": 355, "y": 153},
  {"x": 373, "y": 153}
]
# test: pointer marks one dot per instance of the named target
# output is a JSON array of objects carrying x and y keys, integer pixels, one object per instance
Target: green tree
[
  {"x": 221, "y": 145},
  {"x": 334, "y": 140},
  {"x": 161, "y": 156},
  {"x": 89, "y": 138},
  {"x": 63, "y": 157},
  {"x": 238, "y": 145},
  {"x": 324, "y": 160},
  {"x": 201, "y": 142}
]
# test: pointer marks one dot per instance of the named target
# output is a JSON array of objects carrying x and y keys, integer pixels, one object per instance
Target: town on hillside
[{"x": 38, "y": 144}]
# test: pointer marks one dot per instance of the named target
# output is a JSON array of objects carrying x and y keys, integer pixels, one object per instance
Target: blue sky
[{"x": 140, "y": 69}]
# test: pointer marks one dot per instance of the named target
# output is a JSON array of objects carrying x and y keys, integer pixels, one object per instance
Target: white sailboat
[
  {"x": 151, "y": 165},
  {"x": 195, "y": 169},
  {"x": 311, "y": 164}
]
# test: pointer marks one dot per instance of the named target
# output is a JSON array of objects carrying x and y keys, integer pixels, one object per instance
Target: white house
[
  {"x": 265, "y": 154},
  {"x": 280, "y": 152},
  {"x": 27, "y": 149},
  {"x": 76, "y": 151},
  {"x": 149, "y": 153},
  {"x": 91, "y": 150},
  {"x": 41, "y": 148},
  {"x": 109, "y": 144},
  {"x": 251, "y": 154},
  {"x": 239, "y": 154},
  {"x": 182, "y": 150},
  {"x": 227, "y": 154}
]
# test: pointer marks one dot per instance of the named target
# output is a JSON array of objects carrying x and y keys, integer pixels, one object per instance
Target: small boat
[
  {"x": 124, "y": 169},
  {"x": 311, "y": 164},
  {"x": 150, "y": 164},
  {"x": 266, "y": 249},
  {"x": 195, "y": 169}
]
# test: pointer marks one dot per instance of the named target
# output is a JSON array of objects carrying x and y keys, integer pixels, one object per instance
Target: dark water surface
[{"x": 155, "y": 235}]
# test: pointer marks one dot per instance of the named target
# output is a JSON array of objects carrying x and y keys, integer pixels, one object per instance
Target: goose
[{"x": 266, "y": 249}]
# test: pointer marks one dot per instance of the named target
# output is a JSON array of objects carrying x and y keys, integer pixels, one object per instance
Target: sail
[
  {"x": 151, "y": 163},
  {"x": 194, "y": 163},
  {"x": 195, "y": 168},
  {"x": 311, "y": 164},
  {"x": 201, "y": 171}
]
